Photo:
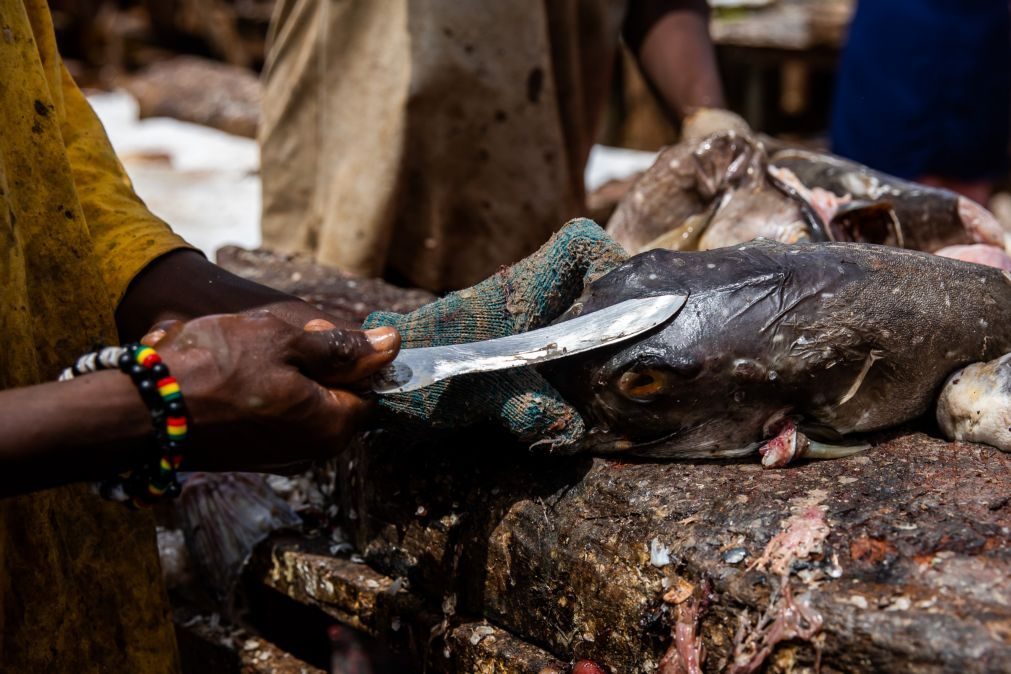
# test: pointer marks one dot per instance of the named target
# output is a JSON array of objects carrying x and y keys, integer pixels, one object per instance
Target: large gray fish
[{"x": 787, "y": 345}]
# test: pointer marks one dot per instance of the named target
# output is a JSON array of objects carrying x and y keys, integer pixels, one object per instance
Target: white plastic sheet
[{"x": 205, "y": 183}]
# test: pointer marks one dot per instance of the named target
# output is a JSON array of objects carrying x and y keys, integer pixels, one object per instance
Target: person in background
[
  {"x": 240, "y": 377},
  {"x": 83, "y": 262},
  {"x": 434, "y": 141},
  {"x": 924, "y": 92}
]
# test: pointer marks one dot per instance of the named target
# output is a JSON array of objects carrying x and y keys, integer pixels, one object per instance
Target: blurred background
[{"x": 176, "y": 84}]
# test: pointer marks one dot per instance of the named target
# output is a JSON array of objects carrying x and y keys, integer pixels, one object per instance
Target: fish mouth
[{"x": 602, "y": 441}]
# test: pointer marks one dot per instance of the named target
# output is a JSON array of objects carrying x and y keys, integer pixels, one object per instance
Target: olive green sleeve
[{"x": 126, "y": 235}]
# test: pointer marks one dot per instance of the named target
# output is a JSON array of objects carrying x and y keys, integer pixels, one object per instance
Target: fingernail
[
  {"x": 318, "y": 325},
  {"x": 152, "y": 338},
  {"x": 382, "y": 339}
]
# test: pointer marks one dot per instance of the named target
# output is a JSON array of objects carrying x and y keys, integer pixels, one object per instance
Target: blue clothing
[{"x": 924, "y": 88}]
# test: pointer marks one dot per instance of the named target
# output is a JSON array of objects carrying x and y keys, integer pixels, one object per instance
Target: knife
[{"x": 416, "y": 368}]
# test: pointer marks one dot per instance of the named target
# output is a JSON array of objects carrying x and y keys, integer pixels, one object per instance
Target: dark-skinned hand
[{"x": 264, "y": 395}]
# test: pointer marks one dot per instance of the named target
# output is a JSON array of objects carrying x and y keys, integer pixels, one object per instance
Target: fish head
[
  {"x": 681, "y": 392},
  {"x": 707, "y": 380},
  {"x": 665, "y": 389},
  {"x": 726, "y": 161}
]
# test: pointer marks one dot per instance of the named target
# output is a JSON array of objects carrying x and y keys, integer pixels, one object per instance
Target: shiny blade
[{"x": 416, "y": 368}]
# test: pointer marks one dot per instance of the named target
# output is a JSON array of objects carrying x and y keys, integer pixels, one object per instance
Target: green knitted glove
[{"x": 528, "y": 295}]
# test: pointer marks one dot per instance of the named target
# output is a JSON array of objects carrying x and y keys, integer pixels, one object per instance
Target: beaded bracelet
[{"x": 153, "y": 479}]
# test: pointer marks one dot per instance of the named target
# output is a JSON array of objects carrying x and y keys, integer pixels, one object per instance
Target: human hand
[
  {"x": 528, "y": 295},
  {"x": 263, "y": 394}
]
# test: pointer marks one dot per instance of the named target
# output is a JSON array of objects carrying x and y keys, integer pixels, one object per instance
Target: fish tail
[{"x": 223, "y": 517}]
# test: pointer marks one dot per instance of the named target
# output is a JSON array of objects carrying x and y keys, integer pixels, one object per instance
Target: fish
[
  {"x": 786, "y": 349},
  {"x": 709, "y": 193},
  {"x": 931, "y": 217},
  {"x": 669, "y": 193},
  {"x": 223, "y": 516},
  {"x": 975, "y": 404},
  {"x": 734, "y": 186}
]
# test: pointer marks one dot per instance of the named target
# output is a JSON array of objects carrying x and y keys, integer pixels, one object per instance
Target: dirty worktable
[
  {"x": 775, "y": 58},
  {"x": 474, "y": 556},
  {"x": 794, "y": 25}
]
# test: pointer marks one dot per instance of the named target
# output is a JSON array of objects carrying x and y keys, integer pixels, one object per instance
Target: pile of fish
[
  {"x": 730, "y": 186},
  {"x": 825, "y": 301}
]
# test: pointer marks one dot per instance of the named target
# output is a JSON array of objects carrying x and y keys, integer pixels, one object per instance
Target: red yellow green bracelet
[{"x": 155, "y": 477}]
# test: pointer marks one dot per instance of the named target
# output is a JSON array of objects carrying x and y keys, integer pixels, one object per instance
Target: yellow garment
[
  {"x": 433, "y": 140},
  {"x": 80, "y": 587}
]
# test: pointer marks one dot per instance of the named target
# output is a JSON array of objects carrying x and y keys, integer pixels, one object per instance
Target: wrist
[
  {"x": 183, "y": 285},
  {"x": 62, "y": 432},
  {"x": 121, "y": 414},
  {"x": 153, "y": 474}
]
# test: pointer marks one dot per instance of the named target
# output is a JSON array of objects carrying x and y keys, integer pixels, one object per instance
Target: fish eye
[{"x": 642, "y": 385}]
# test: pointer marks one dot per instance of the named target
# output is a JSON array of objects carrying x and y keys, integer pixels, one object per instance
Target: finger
[
  {"x": 554, "y": 276},
  {"x": 335, "y": 357},
  {"x": 533, "y": 411},
  {"x": 344, "y": 414},
  {"x": 158, "y": 331}
]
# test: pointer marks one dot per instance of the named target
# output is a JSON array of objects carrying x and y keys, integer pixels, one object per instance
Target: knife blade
[{"x": 416, "y": 368}]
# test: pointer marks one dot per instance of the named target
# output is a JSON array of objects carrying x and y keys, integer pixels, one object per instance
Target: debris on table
[{"x": 207, "y": 645}]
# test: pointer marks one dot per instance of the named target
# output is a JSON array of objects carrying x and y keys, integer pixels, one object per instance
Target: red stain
[
  {"x": 587, "y": 667},
  {"x": 871, "y": 550}
]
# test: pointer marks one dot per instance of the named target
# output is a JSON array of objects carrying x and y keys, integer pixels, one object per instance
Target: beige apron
[{"x": 430, "y": 140}]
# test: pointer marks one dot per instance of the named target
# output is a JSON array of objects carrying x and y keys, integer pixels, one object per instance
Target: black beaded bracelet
[{"x": 155, "y": 478}]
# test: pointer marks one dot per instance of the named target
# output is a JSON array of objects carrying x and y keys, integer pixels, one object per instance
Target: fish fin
[
  {"x": 872, "y": 357},
  {"x": 223, "y": 517},
  {"x": 823, "y": 450},
  {"x": 787, "y": 182}
]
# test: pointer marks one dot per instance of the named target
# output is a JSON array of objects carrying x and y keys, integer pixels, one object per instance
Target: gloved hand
[{"x": 526, "y": 296}]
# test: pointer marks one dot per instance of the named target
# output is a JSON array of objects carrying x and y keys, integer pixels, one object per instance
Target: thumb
[
  {"x": 536, "y": 413},
  {"x": 335, "y": 357}
]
